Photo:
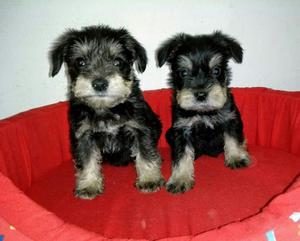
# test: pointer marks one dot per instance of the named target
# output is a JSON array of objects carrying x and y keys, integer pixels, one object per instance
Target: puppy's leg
[
  {"x": 235, "y": 150},
  {"x": 148, "y": 163},
  {"x": 89, "y": 181},
  {"x": 183, "y": 156}
]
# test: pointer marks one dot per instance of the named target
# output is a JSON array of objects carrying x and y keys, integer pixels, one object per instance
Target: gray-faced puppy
[
  {"x": 108, "y": 115},
  {"x": 205, "y": 119}
]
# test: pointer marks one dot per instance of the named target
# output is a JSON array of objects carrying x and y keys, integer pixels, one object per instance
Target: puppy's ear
[
  {"x": 234, "y": 49},
  {"x": 141, "y": 57},
  {"x": 167, "y": 50},
  {"x": 58, "y": 51},
  {"x": 137, "y": 50}
]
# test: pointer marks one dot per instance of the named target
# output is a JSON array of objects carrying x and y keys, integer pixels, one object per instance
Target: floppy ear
[
  {"x": 141, "y": 56},
  {"x": 167, "y": 50},
  {"x": 234, "y": 49},
  {"x": 58, "y": 51},
  {"x": 138, "y": 51}
]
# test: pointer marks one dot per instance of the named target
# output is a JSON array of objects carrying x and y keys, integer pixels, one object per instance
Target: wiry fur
[
  {"x": 109, "y": 118},
  {"x": 205, "y": 119}
]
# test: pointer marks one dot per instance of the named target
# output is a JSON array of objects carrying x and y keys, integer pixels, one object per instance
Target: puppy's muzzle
[
  {"x": 100, "y": 84},
  {"x": 200, "y": 95}
]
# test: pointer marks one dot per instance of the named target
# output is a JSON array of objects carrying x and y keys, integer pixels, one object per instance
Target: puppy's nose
[
  {"x": 100, "y": 84},
  {"x": 200, "y": 96}
]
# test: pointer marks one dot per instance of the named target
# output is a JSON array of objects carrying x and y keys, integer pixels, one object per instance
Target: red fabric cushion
[
  {"x": 220, "y": 196},
  {"x": 35, "y": 156}
]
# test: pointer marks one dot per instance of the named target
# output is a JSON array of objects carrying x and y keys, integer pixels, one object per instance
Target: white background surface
[{"x": 269, "y": 31}]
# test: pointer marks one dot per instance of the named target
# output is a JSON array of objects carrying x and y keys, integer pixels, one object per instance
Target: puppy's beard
[
  {"x": 217, "y": 96},
  {"x": 117, "y": 92}
]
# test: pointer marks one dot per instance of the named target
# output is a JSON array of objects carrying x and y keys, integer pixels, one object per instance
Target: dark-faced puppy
[
  {"x": 205, "y": 119},
  {"x": 109, "y": 117}
]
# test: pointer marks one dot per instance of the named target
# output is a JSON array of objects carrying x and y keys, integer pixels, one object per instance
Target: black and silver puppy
[
  {"x": 205, "y": 119},
  {"x": 109, "y": 117}
]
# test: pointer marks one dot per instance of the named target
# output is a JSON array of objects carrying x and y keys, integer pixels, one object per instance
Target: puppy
[
  {"x": 109, "y": 118},
  {"x": 205, "y": 119}
]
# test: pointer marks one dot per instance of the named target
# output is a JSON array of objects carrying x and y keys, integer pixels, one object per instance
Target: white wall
[{"x": 268, "y": 30}]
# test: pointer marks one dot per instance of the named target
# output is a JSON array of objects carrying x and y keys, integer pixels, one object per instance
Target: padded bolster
[
  {"x": 34, "y": 142},
  {"x": 271, "y": 117}
]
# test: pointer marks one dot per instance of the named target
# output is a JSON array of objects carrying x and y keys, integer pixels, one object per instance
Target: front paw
[
  {"x": 180, "y": 185},
  {"x": 238, "y": 162},
  {"x": 89, "y": 191},
  {"x": 150, "y": 185}
]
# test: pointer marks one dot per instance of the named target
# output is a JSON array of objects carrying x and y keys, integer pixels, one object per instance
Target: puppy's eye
[
  {"x": 117, "y": 62},
  {"x": 183, "y": 73},
  {"x": 216, "y": 71},
  {"x": 80, "y": 62}
]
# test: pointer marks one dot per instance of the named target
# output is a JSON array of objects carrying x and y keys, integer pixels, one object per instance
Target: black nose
[
  {"x": 200, "y": 96},
  {"x": 100, "y": 84}
]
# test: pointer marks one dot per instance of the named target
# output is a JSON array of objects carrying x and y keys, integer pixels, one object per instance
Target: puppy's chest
[
  {"x": 112, "y": 135},
  {"x": 110, "y": 127},
  {"x": 204, "y": 121},
  {"x": 105, "y": 127}
]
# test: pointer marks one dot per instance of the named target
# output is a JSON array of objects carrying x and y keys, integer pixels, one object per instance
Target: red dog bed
[{"x": 261, "y": 202}]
